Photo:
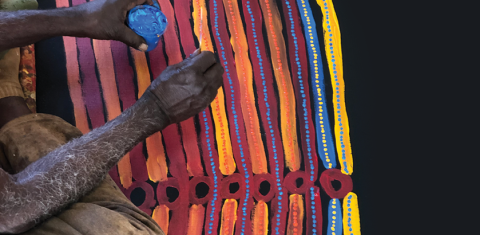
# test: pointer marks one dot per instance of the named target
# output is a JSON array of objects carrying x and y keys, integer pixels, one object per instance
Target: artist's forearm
[
  {"x": 69, "y": 172},
  {"x": 20, "y": 28}
]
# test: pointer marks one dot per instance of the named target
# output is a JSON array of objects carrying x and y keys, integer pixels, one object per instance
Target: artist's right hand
[
  {"x": 187, "y": 88},
  {"x": 105, "y": 19}
]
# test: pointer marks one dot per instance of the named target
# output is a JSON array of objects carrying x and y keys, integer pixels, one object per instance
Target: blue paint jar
[{"x": 148, "y": 22}]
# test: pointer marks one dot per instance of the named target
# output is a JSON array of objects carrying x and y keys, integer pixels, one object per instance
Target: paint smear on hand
[
  {"x": 229, "y": 216},
  {"x": 295, "y": 215},
  {"x": 351, "y": 216},
  {"x": 222, "y": 133},
  {"x": 260, "y": 218},
  {"x": 196, "y": 216},
  {"x": 244, "y": 71},
  {"x": 273, "y": 24},
  {"x": 161, "y": 216},
  {"x": 333, "y": 51}
]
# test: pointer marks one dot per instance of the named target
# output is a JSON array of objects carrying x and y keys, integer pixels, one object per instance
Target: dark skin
[
  {"x": 37, "y": 191},
  {"x": 99, "y": 19}
]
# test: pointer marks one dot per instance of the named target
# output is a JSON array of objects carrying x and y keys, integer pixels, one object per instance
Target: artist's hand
[
  {"x": 105, "y": 19},
  {"x": 187, "y": 88}
]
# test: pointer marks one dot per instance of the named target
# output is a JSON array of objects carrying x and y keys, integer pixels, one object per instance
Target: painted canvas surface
[{"x": 270, "y": 155}]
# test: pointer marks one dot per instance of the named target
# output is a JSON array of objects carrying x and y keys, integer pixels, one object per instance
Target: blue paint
[
  {"x": 345, "y": 167},
  {"x": 314, "y": 220},
  {"x": 265, "y": 93},
  {"x": 300, "y": 80},
  {"x": 317, "y": 75},
  {"x": 232, "y": 107},
  {"x": 148, "y": 22},
  {"x": 215, "y": 178},
  {"x": 338, "y": 225}
]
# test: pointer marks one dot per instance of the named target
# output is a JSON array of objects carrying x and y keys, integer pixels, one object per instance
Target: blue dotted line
[
  {"x": 349, "y": 214},
  {"x": 215, "y": 178},
  {"x": 302, "y": 91},
  {"x": 337, "y": 91},
  {"x": 318, "y": 80},
  {"x": 314, "y": 217},
  {"x": 235, "y": 116},
  {"x": 270, "y": 127}
]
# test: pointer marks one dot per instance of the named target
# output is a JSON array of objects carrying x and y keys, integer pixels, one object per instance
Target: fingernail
[
  {"x": 143, "y": 47},
  {"x": 196, "y": 52}
]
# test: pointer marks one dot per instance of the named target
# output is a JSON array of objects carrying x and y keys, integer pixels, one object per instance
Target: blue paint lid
[{"x": 148, "y": 22}]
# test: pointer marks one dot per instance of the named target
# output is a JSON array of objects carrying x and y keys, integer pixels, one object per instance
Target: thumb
[{"x": 132, "y": 39}]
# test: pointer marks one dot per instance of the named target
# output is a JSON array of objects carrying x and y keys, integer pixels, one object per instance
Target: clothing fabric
[
  {"x": 103, "y": 211},
  {"x": 9, "y": 65}
]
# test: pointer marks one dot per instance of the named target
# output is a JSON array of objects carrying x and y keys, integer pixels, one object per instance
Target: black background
[{"x": 411, "y": 95}]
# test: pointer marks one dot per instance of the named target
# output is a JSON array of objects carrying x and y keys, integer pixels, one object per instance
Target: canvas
[{"x": 270, "y": 155}]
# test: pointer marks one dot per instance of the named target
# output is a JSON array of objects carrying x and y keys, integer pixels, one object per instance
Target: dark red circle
[
  {"x": 162, "y": 193},
  {"x": 290, "y": 182},
  {"x": 335, "y": 174},
  {"x": 193, "y": 195},
  {"x": 225, "y": 189},
  {"x": 258, "y": 179},
  {"x": 147, "y": 188}
]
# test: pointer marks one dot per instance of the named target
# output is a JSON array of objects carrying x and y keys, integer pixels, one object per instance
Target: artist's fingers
[
  {"x": 214, "y": 76},
  {"x": 203, "y": 61},
  {"x": 195, "y": 53},
  {"x": 209, "y": 96},
  {"x": 132, "y": 39},
  {"x": 133, "y": 3}
]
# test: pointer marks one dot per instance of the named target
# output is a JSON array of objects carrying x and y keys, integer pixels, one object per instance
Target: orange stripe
[
  {"x": 222, "y": 134},
  {"x": 73, "y": 78},
  {"x": 74, "y": 85},
  {"x": 260, "y": 218},
  {"x": 295, "y": 215},
  {"x": 244, "y": 71},
  {"x": 284, "y": 83},
  {"x": 156, "y": 162},
  {"x": 103, "y": 57},
  {"x": 196, "y": 215},
  {"x": 161, "y": 216},
  {"x": 229, "y": 216}
]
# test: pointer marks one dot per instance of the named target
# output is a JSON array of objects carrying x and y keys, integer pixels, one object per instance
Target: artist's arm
[
  {"x": 69, "y": 172},
  {"x": 99, "y": 19}
]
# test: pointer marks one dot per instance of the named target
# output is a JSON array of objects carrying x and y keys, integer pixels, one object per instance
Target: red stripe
[
  {"x": 173, "y": 143},
  {"x": 222, "y": 29},
  {"x": 207, "y": 159},
  {"x": 302, "y": 55},
  {"x": 90, "y": 85},
  {"x": 182, "y": 12}
]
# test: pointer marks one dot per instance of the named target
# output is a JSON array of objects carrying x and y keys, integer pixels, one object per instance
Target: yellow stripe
[
  {"x": 217, "y": 107},
  {"x": 229, "y": 216},
  {"x": 350, "y": 211},
  {"x": 335, "y": 64}
]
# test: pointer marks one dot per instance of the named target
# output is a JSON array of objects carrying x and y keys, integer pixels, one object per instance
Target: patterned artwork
[
  {"x": 267, "y": 156},
  {"x": 28, "y": 75}
]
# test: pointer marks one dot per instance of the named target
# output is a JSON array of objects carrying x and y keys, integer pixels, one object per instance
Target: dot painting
[{"x": 265, "y": 153}]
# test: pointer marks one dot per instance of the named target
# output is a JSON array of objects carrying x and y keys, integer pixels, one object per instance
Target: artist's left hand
[{"x": 105, "y": 19}]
